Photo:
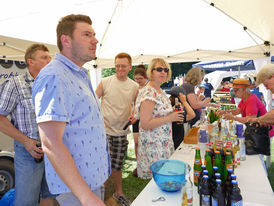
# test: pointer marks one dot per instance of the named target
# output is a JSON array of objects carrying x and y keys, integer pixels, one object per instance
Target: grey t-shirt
[{"x": 188, "y": 88}]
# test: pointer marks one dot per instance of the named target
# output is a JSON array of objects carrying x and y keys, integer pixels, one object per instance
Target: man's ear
[
  {"x": 66, "y": 41},
  {"x": 29, "y": 61}
]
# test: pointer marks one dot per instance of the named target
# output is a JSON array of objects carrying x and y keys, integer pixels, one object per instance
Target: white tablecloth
[{"x": 252, "y": 180}]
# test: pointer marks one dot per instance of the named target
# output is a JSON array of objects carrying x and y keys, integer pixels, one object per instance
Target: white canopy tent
[{"x": 177, "y": 30}]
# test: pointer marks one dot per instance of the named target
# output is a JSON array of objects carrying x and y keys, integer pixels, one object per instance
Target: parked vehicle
[{"x": 8, "y": 69}]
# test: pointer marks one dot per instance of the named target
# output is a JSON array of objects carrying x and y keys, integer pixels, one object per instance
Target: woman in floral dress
[{"x": 154, "y": 110}]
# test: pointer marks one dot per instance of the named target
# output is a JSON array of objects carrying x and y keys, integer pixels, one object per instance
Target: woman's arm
[
  {"x": 190, "y": 114},
  {"x": 195, "y": 103},
  {"x": 232, "y": 111},
  {"x": 230, "y": 116}
]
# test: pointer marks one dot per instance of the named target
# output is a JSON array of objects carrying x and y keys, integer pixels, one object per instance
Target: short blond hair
[
  {"x": 160, "y": 61},
  {"x": 194, "y": 76},
  {"x": 266, "y": 72}
]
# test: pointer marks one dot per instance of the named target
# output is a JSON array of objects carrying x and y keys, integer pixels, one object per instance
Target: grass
[{"x": 132, "y": 186}]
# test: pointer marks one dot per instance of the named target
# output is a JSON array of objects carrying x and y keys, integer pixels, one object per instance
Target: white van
[{"x": 8, "y": 69}]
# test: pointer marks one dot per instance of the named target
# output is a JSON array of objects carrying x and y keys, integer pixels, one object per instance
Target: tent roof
[
  {"x": 177, "y": 30},
  {"x": 258, "y": 17},
  {"x": 14, "y": 48}
]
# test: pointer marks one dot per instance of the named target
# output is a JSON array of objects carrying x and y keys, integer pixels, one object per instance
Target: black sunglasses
[{"x": 160, "y": 69}]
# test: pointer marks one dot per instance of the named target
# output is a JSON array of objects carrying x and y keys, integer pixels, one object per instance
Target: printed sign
[{"x": 9, "y": 68}]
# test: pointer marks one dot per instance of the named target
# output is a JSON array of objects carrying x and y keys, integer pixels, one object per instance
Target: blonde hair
[
  {"x": 160, "y": 61},
  {"x": 194, "y": 76},
  {"x": 266, "y": 72}
]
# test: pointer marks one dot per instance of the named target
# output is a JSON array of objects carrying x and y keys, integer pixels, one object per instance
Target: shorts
[
  {"x": 135, "y": 127},
  {"x": 30, "y": 180},
  {"x": 117, "y": 149}
]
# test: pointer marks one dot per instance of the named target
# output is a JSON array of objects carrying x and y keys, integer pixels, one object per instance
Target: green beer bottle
[
  {"x": 197, "y": 166},
  {"x": 228, "y": 164},
  {"x": 208, "y": 163},
  {"x": 219, "y": 163}
]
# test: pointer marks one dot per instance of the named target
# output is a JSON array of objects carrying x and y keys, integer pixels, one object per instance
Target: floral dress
[{"x": 153, "y": 144}]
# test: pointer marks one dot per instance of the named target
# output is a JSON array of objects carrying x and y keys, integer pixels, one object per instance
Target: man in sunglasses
[{"x": 118, "y": 93}]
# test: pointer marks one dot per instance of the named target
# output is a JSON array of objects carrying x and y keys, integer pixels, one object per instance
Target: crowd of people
[{"x": 82, "y": 130}]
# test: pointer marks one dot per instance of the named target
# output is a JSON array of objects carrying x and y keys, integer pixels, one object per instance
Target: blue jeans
[
  {"x": 69, "y": 199},
  {"x": 30, "y": 179}
]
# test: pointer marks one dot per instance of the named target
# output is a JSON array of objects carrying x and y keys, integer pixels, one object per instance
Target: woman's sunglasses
[{"x": 160, "y": 69}]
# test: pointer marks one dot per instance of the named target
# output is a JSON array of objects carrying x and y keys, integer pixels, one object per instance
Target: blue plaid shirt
[
  {"x": 63, "y": 92},
  {"x": 15, "y": 100}
]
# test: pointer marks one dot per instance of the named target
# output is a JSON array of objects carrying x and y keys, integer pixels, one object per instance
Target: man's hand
[
  {"x": 132, "y": 119},
  {"x": 228, "y": 116},
  {"x": 30, "y": 145}
]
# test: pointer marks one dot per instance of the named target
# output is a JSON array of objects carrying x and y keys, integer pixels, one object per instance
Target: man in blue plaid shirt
[{"x": 16, "y": 101}]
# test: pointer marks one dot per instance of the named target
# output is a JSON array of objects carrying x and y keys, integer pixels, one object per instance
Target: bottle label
[
  {"x": 196, "y": 175},
  {"x": 198, "y": 161},
  {"x": 229, "y": 166},
  {"x": 214, "y": 202},
  {"x": 237, "y": 203},
  {"x": 206, "y": 200}
]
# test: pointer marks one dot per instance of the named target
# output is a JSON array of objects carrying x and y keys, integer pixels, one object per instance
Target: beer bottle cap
[
  {"x": 234, "y": 182},
  {"x": 205, "y": 172},
  {"x": 218, "y": 175},
  {"x": 218, "y": 181},
  {"x": 230, "y": 170},
  {"x": 215, "y": 168},
  {"x": 205, "y": 177},
  {"x": 203, "y": 166},
  {"x": 233, "y": 176}
]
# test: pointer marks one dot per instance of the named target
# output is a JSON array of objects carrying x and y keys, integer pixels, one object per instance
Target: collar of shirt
[
  {"x": 71, "y": 65},
  {"x": 28, "y": 77}
]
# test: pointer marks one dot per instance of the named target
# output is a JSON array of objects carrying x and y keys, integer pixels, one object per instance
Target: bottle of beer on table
[
  {"x": 213, "y": 183},
  {"x": 227, "y": 183},
  {"x": 197, "y": 166},
  {"x": 228, "y": 164},
  {"x": 215, "y": 170},
  {"x": 200, "y": 179},
  {"x": 208, "y": 163},
  {"x": 205, "y": 192},
  {"x": 219, "y": 163},
  {"x": 235, "y": 196},
  {"x": 218, "y": 195}
]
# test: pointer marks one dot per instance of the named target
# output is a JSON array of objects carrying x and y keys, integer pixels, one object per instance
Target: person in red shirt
[{"x": 250, "y": 106}]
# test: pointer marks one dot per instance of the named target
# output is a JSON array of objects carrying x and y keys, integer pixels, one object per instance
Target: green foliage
[
  {"x": 110, "y": 71},
  {"x": 177, "y": 70}
]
